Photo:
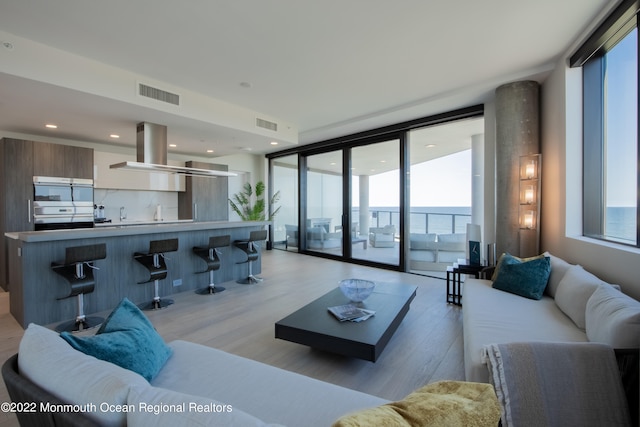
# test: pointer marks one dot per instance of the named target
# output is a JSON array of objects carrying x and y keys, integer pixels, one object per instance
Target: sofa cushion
[
  {"x": 558, "y": 269},
  {"x": 444, "y": 403},
  {"x": 422, "y": 241},
  {"x": 613, "y": 318},
  {"x": 271, "y": 394},
  {"x": 527, "y": 279},
  {"x": 74, "y": 377},
  {"x": 574, "y": 290},
  {"x": 160, "y": 407},
  {"x": 126, "y": 338},
  {"x": 491, "y": 316}
]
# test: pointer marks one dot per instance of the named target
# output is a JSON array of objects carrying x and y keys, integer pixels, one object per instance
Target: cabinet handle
[
  {"x": 195, "y": 211},
  {"x": 29, "y": 210}
]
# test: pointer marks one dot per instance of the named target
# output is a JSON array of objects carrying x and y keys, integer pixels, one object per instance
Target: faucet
[{"x": 123, "y": 214}]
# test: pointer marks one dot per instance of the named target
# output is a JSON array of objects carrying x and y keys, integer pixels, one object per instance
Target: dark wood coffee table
[{"x": 315, "y": 326}]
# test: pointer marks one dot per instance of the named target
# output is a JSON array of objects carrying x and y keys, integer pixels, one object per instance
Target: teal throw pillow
[
  {"x": 527, "y": 279},
  {"x": 126, "y": 338}
]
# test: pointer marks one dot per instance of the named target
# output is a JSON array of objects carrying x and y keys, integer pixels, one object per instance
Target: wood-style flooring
[{"x": 426, "y": 347}]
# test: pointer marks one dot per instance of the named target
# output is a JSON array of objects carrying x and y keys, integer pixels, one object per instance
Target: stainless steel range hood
[{"x": 151, "y": 152}]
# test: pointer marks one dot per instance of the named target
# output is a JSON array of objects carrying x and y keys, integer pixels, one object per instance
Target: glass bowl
[{"x": 357, "y": 290}]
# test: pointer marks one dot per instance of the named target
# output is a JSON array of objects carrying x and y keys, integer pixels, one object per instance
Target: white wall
[{"x": 561, "y": 222}]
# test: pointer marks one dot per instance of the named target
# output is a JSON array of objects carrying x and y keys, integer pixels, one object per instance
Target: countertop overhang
[{"x": 114, "y": 230}]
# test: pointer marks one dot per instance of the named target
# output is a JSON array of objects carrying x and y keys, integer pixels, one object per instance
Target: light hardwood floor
[{"x": 426, "y": 347}]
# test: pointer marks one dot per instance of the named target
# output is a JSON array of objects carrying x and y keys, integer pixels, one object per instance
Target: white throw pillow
[
  {"x": 574, "y": 290},
  {"x": 154, "y": 406},
  {"x": 49, "y": 361},
  {"x": 559, "y": 268},
  {"x": 613, "y": 318}
]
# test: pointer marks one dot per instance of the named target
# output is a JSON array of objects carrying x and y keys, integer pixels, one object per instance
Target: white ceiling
[{"x": 319, "y": 69}]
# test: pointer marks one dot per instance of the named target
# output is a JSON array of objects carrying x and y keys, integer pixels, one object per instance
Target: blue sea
[{"x": 621, "y": 223}]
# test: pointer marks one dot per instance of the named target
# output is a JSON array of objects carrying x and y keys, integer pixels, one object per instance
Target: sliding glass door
[
  {"x": 375, "y": 202},
  {"x": 323, "y": 222}
]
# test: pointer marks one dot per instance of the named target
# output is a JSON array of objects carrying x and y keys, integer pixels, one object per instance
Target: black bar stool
[
  {"x": 250, "y": 248},
  {"x": 154, "y": 262},
  {"x": 211, "y": 255},
  {"x": 81, "y": 280}
]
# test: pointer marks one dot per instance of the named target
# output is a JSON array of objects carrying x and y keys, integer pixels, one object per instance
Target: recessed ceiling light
[
  {"x": 274, "y": 142},
  {"x": 245, "y": 85},
  {"x": 51, "y": 126},
  {"x": 172, "y": 145},
  {"x": 383, "y": 161},
  {"x": 7, "y": 45},
  {"x": 430, "y": 145},
  {"x": 114, "y": 136},
  {"x": 209, "y": 151}
]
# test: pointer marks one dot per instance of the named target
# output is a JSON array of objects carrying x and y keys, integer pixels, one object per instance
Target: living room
[{"x": 561, "y": 233}]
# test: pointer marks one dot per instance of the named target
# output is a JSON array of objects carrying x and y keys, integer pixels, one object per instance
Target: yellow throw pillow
[{"x": 444, "y": 403}]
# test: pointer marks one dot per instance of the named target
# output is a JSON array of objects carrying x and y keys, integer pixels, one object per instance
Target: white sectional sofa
[
  {"x": 136, "y": 379},
  {"x": 198, "y": 385},
  {"x": 576, "y": 307}
]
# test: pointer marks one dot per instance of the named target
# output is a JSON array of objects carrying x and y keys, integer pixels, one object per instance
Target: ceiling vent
[
  {"x": 158, "y": 94},
  {"x": 261, "y": 123}
]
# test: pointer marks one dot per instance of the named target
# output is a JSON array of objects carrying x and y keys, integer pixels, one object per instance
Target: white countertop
[{"x": 128, "y": 228}]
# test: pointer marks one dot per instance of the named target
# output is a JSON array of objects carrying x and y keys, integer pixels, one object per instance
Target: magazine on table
[{"x": 351, "y": 313}]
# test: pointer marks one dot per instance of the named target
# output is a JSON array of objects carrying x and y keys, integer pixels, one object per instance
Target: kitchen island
[{"x": 35, "y": 288}]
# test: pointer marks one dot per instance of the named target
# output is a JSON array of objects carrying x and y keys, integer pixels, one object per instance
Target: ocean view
[
  {"x": 428, "y": 219},
  {"x": 621, "y": 223}
]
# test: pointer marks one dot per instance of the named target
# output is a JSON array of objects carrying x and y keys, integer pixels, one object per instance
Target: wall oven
[{"x": 60, "y": 203}]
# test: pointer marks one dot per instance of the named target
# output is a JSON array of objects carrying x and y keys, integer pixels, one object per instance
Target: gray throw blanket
[{"x": 557, "y": 384}]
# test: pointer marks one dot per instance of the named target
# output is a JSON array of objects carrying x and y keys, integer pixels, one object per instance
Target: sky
[
  {"x": 621, "y": 122},
  {"x": 442, "y": 182}
]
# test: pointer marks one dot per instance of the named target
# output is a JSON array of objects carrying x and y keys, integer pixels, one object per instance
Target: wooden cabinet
[
  {"x": 21, "y": 160},
  {"x": 204, "y": 198},
  {"x": 62, "y": 160}
]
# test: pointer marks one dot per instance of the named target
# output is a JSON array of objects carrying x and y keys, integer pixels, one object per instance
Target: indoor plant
[{"x": 251, "y": 208}]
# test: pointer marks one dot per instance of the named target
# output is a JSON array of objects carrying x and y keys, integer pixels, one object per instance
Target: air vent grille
[
  {"x": 266, "y": 124},
  {"x": 158, "y": 94}
]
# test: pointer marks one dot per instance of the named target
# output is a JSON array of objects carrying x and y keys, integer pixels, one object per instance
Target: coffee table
[{"x": 313, "y": 325}]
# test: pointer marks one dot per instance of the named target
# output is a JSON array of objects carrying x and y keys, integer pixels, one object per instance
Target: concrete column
[
  {"x": 517, "y": 134},
  {"x": 477, "y": 187},
  {"x": 364, "y": 205}
]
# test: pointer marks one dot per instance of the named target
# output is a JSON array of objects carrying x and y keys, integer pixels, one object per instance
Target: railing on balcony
[{"x": 421, "y": 222}]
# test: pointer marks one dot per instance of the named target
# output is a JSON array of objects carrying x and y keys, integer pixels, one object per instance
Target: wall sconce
[
  {"x": 528, "y": 193},
  {"x": 529, "y": 211},
  {"x": 529, "y": 166},
  {"x": 528, "y": 219}
]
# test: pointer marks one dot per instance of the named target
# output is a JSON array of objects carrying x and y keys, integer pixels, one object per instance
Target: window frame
[{"x": 590, "y": 56}]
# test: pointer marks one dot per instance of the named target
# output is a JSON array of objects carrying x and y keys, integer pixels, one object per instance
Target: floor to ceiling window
[
  {"x": 284, "y": 179},
  {"x": 360, "y": 195},
  {"x": 324, "y": 208},
  {"x": 375, "y": 202},
  {"x": 440, "y": 198}
]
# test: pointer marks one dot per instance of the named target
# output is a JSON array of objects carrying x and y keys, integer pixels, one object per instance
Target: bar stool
[
  {"x": 81, "y": 281},
  {"x": 249, "y": 247},
  {"x": 210, "y": 254},
  {"x": 154, "y": 262}
]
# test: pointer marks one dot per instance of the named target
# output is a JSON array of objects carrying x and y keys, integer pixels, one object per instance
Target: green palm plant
[{"x": 251, "y": 208}]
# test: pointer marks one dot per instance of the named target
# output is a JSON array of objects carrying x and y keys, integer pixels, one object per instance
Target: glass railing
[{"x": 421, "y": 222}]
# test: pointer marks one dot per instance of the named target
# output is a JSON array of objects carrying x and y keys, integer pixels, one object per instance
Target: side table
[{"x": 454, "y": 287}]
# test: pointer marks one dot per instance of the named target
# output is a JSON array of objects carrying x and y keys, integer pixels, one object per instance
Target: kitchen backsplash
[{"x": 138, "y": 205}]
